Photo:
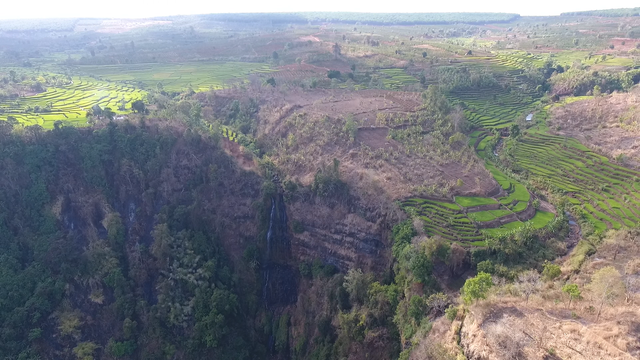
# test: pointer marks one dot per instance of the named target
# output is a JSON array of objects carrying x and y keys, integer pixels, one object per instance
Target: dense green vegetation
[
  {"x": 368, "y": 18},
  {"x": 156, "y": 277}
]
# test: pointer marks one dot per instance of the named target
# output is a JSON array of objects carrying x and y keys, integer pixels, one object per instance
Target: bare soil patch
[
  {"x": 376, "y": 138},
  {"x": 235, "y": 150}
]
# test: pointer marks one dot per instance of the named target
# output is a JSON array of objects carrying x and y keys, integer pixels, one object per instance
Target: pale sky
[{"x": 21, "y": 9}]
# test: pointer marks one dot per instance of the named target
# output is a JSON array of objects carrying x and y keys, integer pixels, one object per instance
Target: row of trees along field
[
  {"x": 368, "y": 18},
  {"x": 607, "y": 13}
]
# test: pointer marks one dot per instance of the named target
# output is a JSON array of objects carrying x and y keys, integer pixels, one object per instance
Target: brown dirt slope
[
  {"x": 506, "y": 327},
  {"x": 608, "y": 124},
  {"x": 307, "y": 129}
]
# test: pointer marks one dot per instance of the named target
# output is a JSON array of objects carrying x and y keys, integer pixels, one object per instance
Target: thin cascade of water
[{"x": 270, "y": 232}]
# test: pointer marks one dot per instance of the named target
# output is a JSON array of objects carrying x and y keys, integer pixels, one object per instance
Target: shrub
[
  {"x": 477, "y": 287},
  {"x": 551, "y": 271},
  {"x": 333, "y": 74},
  {"x": 120, "y": 349},
  {"x": 297, "y": 227},
  {"x": 485, "y": 266},
  {"x": 451, "y": 312}
]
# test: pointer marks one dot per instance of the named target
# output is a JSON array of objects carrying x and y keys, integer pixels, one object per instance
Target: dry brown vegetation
[
  {"x": 309, "y": 128},
  {"x": 507, "y": 327},
  {"x": 609, "y": 124}
]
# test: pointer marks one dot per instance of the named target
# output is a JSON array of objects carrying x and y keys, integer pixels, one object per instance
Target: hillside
[
  {"x": 323, "y": 186},
  {"x": 608, "y": 124},
  {"x": 545, "y": 326}
]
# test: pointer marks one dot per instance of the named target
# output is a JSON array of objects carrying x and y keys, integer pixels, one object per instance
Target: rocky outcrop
[{"x": 337, "y": 236}]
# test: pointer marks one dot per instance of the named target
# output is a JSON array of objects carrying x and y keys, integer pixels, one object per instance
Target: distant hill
[
  {"x": 368, "y": 18},
  {"x": 608, "y": 13}
]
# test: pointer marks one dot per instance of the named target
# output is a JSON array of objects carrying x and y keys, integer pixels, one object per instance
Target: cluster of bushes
[
  {"x": 579, "y": 82},
  {"x": 456, "y": 78}
]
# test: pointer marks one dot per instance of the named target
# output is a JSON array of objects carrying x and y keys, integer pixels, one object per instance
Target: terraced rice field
[
  {"x": 70, "y": 103},
  {"x": 396, "y": 78},
  {"x": 608, "y": 194},
  {"x": 178, "y": 77},
  {"x": 518, "y": 60},
  {"x": 454, "y": 222},
  {"x": 493, "y": 108},
  {"x": 468, "y": 219}
]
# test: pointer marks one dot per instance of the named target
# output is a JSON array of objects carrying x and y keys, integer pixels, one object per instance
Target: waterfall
[
  {"x": 279, "y": 286},
  {"x": 270, "y": 232}
]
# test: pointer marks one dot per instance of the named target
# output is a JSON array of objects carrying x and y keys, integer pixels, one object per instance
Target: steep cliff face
[
  {"x": 338, "y": 236},
  {"x": 149, "y": 241}
]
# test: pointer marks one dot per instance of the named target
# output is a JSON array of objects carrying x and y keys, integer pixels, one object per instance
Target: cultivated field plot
[
  {"x": 493, "y": 108},
  {"x": 178, "y": 77},
  {"x": 455, "y": 222},
  {"x": 396, "y": 78},
  {"x": 70, "y": 103},
  {"x": 469, "y": 218},
  {"x": 608, "y": 195}
]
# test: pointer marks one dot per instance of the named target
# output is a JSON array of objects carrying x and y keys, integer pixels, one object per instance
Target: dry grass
[
  {"x": 608, "y": 124},
  {"x": 306, "y": 129},
  {"x": 506, "y": 327}
]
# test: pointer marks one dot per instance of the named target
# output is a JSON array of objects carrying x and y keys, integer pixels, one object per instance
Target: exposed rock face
[{"x": 338, "y": 237}]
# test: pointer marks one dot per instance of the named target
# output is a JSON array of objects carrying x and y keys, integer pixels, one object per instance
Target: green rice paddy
[
  {"x": 177, "y": 77},
  {"x": 607, "y": 194},
  {"x": 70, "y": 103},
  {"x": 396, "y": 78}
]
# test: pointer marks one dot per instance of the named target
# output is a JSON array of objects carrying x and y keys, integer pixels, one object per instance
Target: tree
[
  {"x": 85, "y": 350},
  {"x": 606, "y": 286},
  {"x": 357, "y": 284},
  {"x": 353, "y": 67},
  {"x": 457, "y": 259},
  {"x": 476, "y": 287},
  {"x": 435, "y": 101},
  {"x": 195, "y": 113},
  {"x": 138, "y": 106},
  {"x": 416, "y": 307},
  {"x": 108, "y": 113},
  {"x": 573, "y": 292},
  {"x": 514, "y": 130},
  {"x": 336, "y": 50},
  {"x": 271, "y": 81},
  {"x": 96, "y": 110},
  {"x": 424, "y": 54},
  {"x": 421, "y": 266},
  {"x": 597, "y": 91},
  {"x": 12, "y": 120},
  {"x": 333, "y": 74},
  {"x": 529, "y": 283},
  {"x": 551, "y": 270},
  {"x": 275, "y": 55}
]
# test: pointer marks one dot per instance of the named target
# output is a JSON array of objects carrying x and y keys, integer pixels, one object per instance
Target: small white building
[{"x": 529, "y": 117}]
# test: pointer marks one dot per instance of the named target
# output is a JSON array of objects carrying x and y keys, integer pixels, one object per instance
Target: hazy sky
[{"x": 20, "y": 9}]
